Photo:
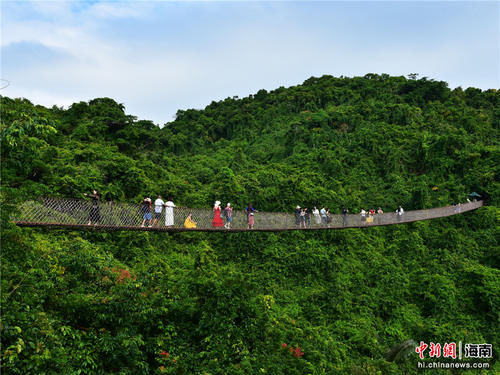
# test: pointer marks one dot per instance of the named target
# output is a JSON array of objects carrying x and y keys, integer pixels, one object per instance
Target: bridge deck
[{"x": 74, "y": 214}]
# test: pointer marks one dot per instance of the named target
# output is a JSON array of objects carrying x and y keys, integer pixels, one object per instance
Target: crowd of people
[
  {"x": 221, "y": 217},
  {"x": 324, "y": 218},
  {"x": 152, "y": 213},
  {"x": 368, "y": 217},
  {"x": 159, "y": 205}
]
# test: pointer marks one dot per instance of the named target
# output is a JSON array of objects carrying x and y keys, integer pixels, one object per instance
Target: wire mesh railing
[{"x": 65, "y": 212}]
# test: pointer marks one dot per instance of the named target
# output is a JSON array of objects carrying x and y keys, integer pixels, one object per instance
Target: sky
[{"x": 157, "y": 57}]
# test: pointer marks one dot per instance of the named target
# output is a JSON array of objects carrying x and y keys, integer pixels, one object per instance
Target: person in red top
[{"x": 217, "y": 221}]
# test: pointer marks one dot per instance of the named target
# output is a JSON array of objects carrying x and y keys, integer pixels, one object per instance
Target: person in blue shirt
[{"x": 324, "y": 218}]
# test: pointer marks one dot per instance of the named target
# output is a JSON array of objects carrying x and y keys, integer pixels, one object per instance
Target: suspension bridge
[{"x": 74, "y": 214}]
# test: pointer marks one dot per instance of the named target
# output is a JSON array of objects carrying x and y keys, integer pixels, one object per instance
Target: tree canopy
[{"x": 289, "y": 303}]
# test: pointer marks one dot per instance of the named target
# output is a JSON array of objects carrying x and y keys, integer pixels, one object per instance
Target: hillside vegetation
[{"x": 93, "y": 302}]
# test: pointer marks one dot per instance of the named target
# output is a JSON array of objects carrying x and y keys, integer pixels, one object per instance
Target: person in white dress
[
  {"x": 317, "y": 217},
  {"x": 169, "y": 212}
]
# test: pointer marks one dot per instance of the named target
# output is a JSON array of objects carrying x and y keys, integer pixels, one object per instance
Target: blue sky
[{"x": 160, "y": 56}]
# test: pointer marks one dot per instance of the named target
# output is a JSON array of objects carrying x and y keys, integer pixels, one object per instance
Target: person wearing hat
[
  {"x": 250, "y": 210},
  {"x": 363, "y": 216},
  {"x": 228, "y": 213},
  {"x": 297, "y": 216},
  {"x": 380, "y": 212},
  {"x": 217, "y": 221},
  {"x": 146, "y": 211}
]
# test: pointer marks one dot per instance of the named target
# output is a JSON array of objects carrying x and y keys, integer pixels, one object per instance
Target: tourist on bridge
[
  {"x": 363, "y": 216},
  {"x": 217, "y": 221},
  {"x": 369, "y": 219},
  {"x": 328, "y": 217},
  {"x": 379, "y": 213},
  {"x": 250, "y": 215},
  {"x": 302, "y": 218},
  {"x": 324, "y": 217},
  {"x": 169, "y": 212},
  {"x": 146, "y": 211},
  {"x": 94, "y": 214},
  {"x": 307, "y": 218},
  {"x": 399, "y": 213},
  {"x": 345, "y": 211},
  {"x": 158, "y": 209},
  {"x": 228, "y": 214},
  {"x": 190, "y": 223},
  {"x": 317, "y": 216},
  {"x": 297, "y": 216}
]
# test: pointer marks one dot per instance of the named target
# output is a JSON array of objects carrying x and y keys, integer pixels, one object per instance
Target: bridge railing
[{"x": 76, "y": 212}]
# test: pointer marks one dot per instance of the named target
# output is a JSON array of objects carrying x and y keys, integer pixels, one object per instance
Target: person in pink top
[
  {"x": 228, "y": 213},
  {"x": 250, "y": 214}
]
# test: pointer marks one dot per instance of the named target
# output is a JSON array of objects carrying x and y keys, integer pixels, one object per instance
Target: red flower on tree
[
  {"x": 298, "y": 352},
  {"x": 165, "y": 354}
]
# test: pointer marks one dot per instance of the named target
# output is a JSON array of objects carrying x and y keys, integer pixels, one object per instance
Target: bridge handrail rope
[{"x": 74, "y": 213}]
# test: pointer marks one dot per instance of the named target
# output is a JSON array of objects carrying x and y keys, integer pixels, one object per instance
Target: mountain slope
[{"x": 226, "y": 304}]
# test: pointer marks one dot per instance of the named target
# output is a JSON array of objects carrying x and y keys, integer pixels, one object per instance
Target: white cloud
[
  {"x": 143, "y": 56},
  {"x": 122, "y": 9}
]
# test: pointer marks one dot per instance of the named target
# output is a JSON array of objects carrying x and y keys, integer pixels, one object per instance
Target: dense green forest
[{"x": 329, "y": 302}]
